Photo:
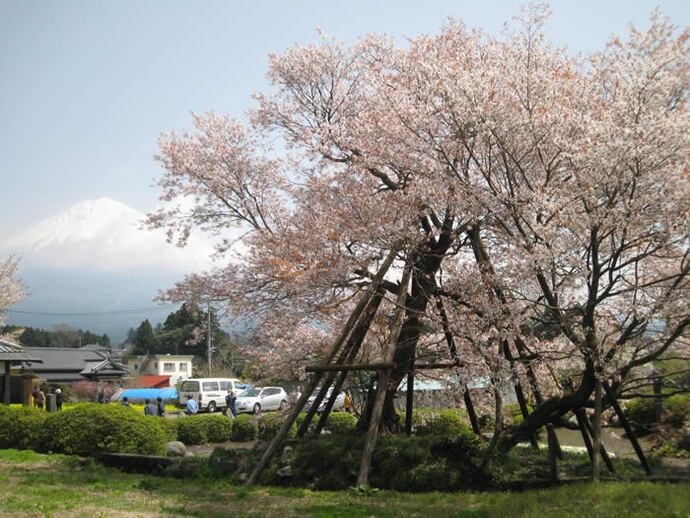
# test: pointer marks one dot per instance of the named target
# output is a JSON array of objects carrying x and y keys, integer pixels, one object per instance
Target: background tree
[{"x": 11, "y": 289}]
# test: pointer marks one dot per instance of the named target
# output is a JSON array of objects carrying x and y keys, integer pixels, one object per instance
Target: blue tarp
[{"x": 150, "y": 393}]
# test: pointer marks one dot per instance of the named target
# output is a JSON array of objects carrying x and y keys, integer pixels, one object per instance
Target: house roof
[
  {"x": 11, "y": 352},
  {"x": 160, "y": 381},
  {"x": 62, "y": 363}
]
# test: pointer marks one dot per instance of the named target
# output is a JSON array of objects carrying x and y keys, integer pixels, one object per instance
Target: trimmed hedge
[
  {"x": 20, "y": 427},
  {"x": 191, "y": 430},
  {"x": 89, "y": 429},
  {"x": 244, "y": 429},
  {"x": 202, "y": 429},
  {"x": 340, "y": 422},
  {"x": 218, "y": 427},
  {"x": 270, "y": 424}
]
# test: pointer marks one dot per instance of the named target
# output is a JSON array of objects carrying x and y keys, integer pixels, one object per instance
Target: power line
[{"x": 92, "y": 313}]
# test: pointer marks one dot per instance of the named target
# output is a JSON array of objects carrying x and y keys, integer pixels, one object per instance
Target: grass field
[{"x": 54, "y": 485}]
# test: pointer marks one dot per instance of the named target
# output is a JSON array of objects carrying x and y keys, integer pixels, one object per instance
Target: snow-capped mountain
[
  {"x": 105, "y": 234},
  {"x": 90, "y": 265}
]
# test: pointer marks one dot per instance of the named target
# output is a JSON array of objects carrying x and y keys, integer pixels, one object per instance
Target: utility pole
[{"x": 208, "y": 338}]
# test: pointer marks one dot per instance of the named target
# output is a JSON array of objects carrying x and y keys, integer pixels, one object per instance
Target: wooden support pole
[
  {"x": 553, "y": 455},
  {"x": 350, "y": 367},
  {"x": 588, "y": 433},
  {"x": 347, "y": 328},
  {"x": 7, "y": 381},
  {"x": 628, "y": 430},
  {"x": 409, "y": 402},
  {"x": 581, "y": 417},
  {"x": 596, "y": 430},
  {"x": 471, "y": 412},
  {"x": 347, "y": 356},
  {"x": 456, "y": 362},
  {"x": 384, "y": 380}
]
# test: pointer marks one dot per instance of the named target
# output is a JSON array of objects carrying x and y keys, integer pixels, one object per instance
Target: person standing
[
  {"x": 125, "y": 402},
  {"x": 58, "y": 399},
  {"x": 101, "y": 396},
  {"x": 161, "y": 407},
  {"x": 231, "y": 401},
  {"x": 150, "y": 408},
  {"x": 34, "y": 396},
  {"x": 192, "y": 406},
  {"x": 41, "y": 399}
]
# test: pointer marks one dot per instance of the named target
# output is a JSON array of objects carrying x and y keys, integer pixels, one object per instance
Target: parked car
[
  {"x": 209, "y": 393},
  {"x": 259, "y": 399},
  {"x": 338, "y": 405}
]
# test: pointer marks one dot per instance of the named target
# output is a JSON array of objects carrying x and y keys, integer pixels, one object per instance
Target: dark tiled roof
[
  {"x": 15, "y": 353},
  {"x": 73, "y": 364}
]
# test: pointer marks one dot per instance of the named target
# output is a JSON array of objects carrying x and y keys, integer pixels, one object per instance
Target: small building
[
  {"x": 68, "y": 365},
  {"x": 13, "y": 354},
  {"x": 177, "y": 367}
]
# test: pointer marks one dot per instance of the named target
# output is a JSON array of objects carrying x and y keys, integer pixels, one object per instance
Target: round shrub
[
  {"x": 444, "y": 424},
  {"x": 218, "y": 427},
  {"x": 244, "y": 429},
  {"x": 640, "y": 412},
  {"x": 270, "y": 424},
  {"x": 29, "y": 423},
  {"x": 191, "y": 430},
  {"x": 340, "y": 422},
  {"x": 89, "y": 429},
  {"x": 8, "y": 426},
  {"x": 677, "y": 410}
]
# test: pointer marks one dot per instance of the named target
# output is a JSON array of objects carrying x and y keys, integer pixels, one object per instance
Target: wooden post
[
  {"x": 470, "y": 410},
  {"x": 7, "y": 382},
  {"x": 553, "y": 454},
  {"x": 409, "y": 402},
  {"x": 596, "y": 430},
  {"x": 454, "y": 355},
  {"x": 581, "y": 417},
  {"x": 348, "y": 355},
  {"x": 384, "y": 380},
  {"x": 586, "y": 430},
  {"x": 628, "y": 430},
  {"x": 292, "y": 417}
]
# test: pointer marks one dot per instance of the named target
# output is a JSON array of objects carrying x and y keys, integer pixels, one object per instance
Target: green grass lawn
[{"x": 57, "y": 485}]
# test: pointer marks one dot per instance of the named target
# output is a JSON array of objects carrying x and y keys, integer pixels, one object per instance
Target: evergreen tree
[{"x": 144, "y": 339}]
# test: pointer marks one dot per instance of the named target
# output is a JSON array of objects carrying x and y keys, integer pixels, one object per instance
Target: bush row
[
  {"x": 86, "y": 429},
  {"x": 675, "y": 410}
]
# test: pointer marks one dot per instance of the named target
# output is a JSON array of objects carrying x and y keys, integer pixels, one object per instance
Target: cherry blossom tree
[
  {"x": 538, "y": 201},
  {"x": 11, "y": 290}
]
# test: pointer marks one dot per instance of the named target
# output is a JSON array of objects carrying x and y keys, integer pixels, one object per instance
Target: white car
[
  {"x": 259, "y": 399},
  {"x": 337, "y": 405}
]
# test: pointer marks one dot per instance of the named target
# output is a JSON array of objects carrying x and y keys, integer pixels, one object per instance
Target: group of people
[
  {"x": 39, "y": 398},
  {"x": 152, "y": 408},
  {"x": 230, "y": 403}
]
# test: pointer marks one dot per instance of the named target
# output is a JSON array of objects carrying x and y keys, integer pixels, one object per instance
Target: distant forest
[{"x": 61, "y": 336}]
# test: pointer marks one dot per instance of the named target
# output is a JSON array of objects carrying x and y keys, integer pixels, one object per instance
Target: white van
[{"x": 209, "y": 393}]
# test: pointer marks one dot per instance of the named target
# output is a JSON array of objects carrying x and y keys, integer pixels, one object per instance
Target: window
[
  {"x": 270, "y": 392},
  {"x": 136, "y": 366},
  {"x": 168, "y": 367},
  {"x": 210, "y": 386},
  {"x": 183, "y": 367},
  {"x": 226, "y": 385},
  {"x": 155, "y": 365},
  {"x": 189, "y": 386}
]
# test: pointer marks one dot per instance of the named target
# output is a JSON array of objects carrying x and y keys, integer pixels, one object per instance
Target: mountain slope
[{"x": 106, "y": 235}]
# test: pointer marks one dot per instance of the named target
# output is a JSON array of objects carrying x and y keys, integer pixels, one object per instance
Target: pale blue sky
[{"x": 86, "y": 86}]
